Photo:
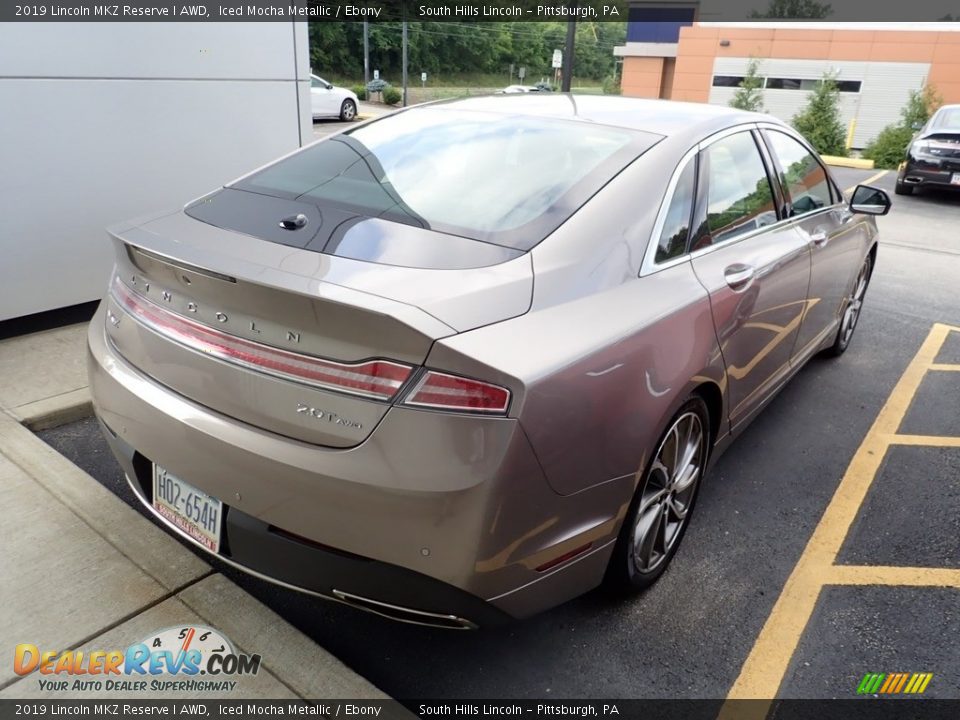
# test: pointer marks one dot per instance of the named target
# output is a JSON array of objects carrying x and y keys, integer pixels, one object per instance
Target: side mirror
[
  {"x": 870, "y": 201},
  {"x": 329, "y": 86},
  {"x": 916, "y": 125}
]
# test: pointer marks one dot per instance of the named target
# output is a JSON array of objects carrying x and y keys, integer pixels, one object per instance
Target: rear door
[
  {"x": 835, "y": 236},
  {"x": 755, "y": 267}
]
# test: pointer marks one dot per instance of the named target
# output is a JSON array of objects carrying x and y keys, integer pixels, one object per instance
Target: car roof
[{"x": 662, "y": 117}]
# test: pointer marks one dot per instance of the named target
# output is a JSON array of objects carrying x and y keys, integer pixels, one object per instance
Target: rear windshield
[
  {"x": 947, "y": 119},
  {"x": 505, "y": 179}
]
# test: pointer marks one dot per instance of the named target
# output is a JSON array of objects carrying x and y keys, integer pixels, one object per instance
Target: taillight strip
[
  {"x": 443, "y": 391},
  {"x": 378, "y": 379}
]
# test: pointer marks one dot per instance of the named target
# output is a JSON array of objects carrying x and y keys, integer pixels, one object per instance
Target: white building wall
[
  {"x": 102, "y": 122},
  {"x": 885, "y": 88}
]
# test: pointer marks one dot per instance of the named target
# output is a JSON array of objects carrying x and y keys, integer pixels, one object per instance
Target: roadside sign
[
  {"x": 376, "y": 74},
  {"x": 522, "y": 73},
  {"x": 423, "y": 77},
  {"x": 558, "y": 58}
]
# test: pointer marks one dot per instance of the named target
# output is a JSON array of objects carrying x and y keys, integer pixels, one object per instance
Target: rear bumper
[
  {"x": 918, "y": 173},
  {"x": 455, "y": 531},
  {"x": 267, "y": 552}
]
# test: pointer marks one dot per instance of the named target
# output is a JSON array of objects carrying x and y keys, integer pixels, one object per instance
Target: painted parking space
[{"x": 820, "y": 570}]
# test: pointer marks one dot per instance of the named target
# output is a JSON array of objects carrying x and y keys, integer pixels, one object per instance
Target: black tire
[
  {"x": 348, "y": 110},
  {"x": 637, "y": 564},
  {"x": 852, "y": 309},
  {"x": 901, "y": 188}
]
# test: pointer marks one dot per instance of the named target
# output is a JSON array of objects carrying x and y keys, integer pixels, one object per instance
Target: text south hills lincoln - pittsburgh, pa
[
  {"x": 503, "y": 709},
  {"x": 483, "y": 10}
]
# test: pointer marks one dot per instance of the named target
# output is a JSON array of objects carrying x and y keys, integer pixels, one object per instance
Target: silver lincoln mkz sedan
[{"x": 467, "y": 361}]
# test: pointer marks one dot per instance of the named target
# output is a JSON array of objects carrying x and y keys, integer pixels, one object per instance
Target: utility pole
[
  {"x": 568, "y": 54},
  {"x": 404, "y": 63},
  {"x": 366, "y": 53}
]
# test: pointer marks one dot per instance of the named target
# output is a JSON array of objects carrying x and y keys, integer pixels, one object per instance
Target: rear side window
[
  {"x": 501, "y": 178},
  {"x": 739, "y": 198},
  {"x": 676, "y": 225},
  {"x": 802, "y": 176},
  {"x": 947, "y": 119}
]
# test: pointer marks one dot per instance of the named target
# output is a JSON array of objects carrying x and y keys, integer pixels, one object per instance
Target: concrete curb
[
  {"x": 290, "y": 657},
  {"x": 123, "y": 576},
  {"x": 847, "y": 162},
  {"x": 55, "y": 411}
]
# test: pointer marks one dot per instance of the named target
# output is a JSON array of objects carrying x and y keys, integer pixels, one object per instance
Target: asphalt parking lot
[{"x": 826, "y": 544}]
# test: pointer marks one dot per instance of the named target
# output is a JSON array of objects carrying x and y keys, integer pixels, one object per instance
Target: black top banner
[{"x": 475, "y": 10}]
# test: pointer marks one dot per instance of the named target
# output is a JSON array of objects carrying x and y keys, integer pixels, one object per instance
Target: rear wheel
[
  {"x": 851, "y": 313},
  {"x": 348, "y": 111},
  {"x": 901, "y": 188},
  {"x": 663, "y": 504}
]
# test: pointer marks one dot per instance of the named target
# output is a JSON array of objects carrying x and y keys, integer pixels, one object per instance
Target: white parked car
[
  {"x": 327, "y": 101},
  {"x": 512, "y": 89}
]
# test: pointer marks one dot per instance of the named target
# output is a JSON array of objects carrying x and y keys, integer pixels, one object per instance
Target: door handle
[
  {"x": 819, "y": 237},
  {"x": 739, "y": 276}
]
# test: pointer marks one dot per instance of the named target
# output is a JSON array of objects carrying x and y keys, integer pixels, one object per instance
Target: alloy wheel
[
  {"x": 668, "y": 492},
  {"x": 855, "y": 302}
]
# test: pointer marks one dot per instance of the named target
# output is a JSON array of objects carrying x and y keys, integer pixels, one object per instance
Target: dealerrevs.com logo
[{"x": 188, "y": 658}]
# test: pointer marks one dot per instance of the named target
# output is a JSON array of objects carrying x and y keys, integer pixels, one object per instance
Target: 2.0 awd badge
[{"x": 328, "y": 416}]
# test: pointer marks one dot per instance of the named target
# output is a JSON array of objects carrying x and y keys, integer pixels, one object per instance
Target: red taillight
[
  {"x": 379, "y": 379},
  {"x": 450, "y": 392},
  {"x": 563, "y": 558}
]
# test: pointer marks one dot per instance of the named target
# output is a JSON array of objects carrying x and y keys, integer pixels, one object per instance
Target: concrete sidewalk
[
  {"x": 80, "y": 570},
  {"x": 368, "y": 110}
]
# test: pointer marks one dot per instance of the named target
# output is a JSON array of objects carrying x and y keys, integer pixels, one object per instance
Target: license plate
[
  {"x": 955, "y": 179},
  {"x": 191, "y": 510}
]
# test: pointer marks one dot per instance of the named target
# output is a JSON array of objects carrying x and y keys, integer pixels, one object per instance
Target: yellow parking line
[
  {"x": 888, "y": 575},
  {"x": 945, "y": 367},
  {"x": 926, "y": 440},
  {"x": 765, "y": 666},
  {"x": 872, "y": 178}
]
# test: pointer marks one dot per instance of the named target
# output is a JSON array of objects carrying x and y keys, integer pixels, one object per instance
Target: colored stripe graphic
[
  {"x": 918, "y": 683},
  {"x": 870, "y": 683},
  {"x": 894, "y": 683},
  {"x": 890, "y": 683},
  {"x": 900, "y": 683}
]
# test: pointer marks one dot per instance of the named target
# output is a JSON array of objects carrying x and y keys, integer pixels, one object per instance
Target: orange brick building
[{"x": 876, "y": 65}]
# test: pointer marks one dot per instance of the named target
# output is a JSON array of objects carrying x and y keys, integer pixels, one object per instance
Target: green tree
[
  {"x": 450, "y": 48},
  {"x": 819, "y": 121},
  {"x": 794, "y": 9},
  {"x": 749, "y": 95},
  {"x": 920, "y": 107},
  {"x": 888, "y": 148}
]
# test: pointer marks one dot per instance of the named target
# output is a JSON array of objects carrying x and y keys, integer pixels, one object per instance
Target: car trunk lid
[{"x": 308, "y": 345}]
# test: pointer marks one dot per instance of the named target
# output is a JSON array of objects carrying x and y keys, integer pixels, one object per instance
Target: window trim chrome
[
  {"x": 834, "y": 188},
  {"x": 650, "y": 266}
]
